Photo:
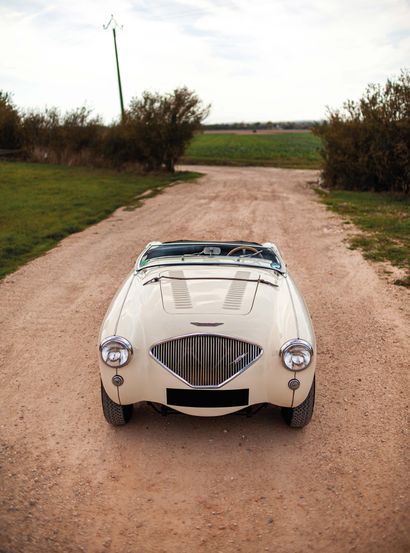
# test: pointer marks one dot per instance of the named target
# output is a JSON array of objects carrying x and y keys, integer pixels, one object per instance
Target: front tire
[
  {"x": 115, "y": 414},
  {"x": 298, "y": 417}
]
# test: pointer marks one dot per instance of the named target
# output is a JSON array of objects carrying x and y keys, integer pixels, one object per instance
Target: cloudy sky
[{"x": 253, "y": 60}]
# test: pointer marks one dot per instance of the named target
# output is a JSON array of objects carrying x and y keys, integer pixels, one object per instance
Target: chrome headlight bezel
[
  {"x": 118, "y": 345},
  {"x": 300, "y": 349}
]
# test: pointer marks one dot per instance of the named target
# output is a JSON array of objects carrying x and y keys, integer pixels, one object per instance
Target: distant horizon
[{"x": 263, "y": 122}]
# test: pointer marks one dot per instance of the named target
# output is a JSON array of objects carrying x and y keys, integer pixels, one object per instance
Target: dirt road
[{"x": 71, "y": 483}]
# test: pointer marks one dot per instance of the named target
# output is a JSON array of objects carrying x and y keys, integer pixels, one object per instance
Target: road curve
[{"x": 71, "y": 483}]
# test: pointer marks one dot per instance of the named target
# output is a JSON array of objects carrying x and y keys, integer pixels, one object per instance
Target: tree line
[
  {"x": 261, "y": 126},
  {"x": 153, "y": 133},
  {"x": 365, "y": 144}
]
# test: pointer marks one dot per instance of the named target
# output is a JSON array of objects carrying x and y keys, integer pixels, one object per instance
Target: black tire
[
  {"x": 115, "y": 414},
  {"x": 298, "y": 417}
]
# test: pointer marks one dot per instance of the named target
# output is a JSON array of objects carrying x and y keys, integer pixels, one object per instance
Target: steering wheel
[{"x": 243, "y": 249}]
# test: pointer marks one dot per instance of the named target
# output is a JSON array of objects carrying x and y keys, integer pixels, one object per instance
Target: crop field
[
  {"x": 384, "y": 220},
  {"x": 41, "y": 204},
  {"x": 299, "y": 150}
]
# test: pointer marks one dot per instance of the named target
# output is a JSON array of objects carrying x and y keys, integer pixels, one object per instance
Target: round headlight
[
  {"x": 115, "y": 351},
  {"x": 296, "y": 354}
]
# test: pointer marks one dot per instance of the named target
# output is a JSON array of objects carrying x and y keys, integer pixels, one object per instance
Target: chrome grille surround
[{"x": 205, "y": 360}]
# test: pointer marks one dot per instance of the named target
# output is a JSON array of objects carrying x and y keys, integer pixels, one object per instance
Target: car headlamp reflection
[
  {"x": 115, "y": 351},
  {"x": 296, "y": 354}
]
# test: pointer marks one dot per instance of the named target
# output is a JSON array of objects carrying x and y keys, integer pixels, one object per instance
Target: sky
[{"x": 252, "y": 60}]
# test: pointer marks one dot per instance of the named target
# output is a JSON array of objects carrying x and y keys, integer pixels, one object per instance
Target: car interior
[{"x": 186, "y": 249}]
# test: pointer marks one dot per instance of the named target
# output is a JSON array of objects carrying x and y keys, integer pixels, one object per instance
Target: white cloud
[{"x": 267, "y": 59}]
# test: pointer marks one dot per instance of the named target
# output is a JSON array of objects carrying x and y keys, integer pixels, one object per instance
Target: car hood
[
  {"x": 207, "y": 292},
  {"x": 209, "y": 300}
]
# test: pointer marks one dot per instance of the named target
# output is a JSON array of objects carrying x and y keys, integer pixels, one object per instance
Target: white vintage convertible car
[{"x": 208, "y": 328}]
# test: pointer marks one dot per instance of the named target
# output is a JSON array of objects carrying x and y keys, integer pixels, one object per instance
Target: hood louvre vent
[
  {"x": 180, "y": 292},
  {"x": 205, "y": 360},
  {"x": 236, "y": 291}
]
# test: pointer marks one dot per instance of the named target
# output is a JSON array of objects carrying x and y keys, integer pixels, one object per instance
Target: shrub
[
  {"x": 366, "y": 145},
  {"x": 120, "y": 145},
  {"x": 164, "y": 125},
  {"x": 10, "y": 123},
  {"x": 154, "y": 133},
  {"x": 58, "y": 137}
]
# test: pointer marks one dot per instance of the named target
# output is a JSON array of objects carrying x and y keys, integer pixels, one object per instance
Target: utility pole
[{"x": 113, "y": 23}]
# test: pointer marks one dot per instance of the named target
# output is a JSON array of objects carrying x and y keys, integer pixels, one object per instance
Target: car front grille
[{"x": 205, "y": 360}]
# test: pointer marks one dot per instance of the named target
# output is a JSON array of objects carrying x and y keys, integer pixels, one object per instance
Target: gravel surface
[{"x": 72, "y": 483}]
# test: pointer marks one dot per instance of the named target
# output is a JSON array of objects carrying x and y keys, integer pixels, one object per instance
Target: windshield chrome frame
[
  {"x": 207, "y": 264},
  {"x": 217, "y": 260}
]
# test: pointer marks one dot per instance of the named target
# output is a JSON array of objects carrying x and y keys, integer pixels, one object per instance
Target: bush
[
  {"x": 366, "y": 145},
  {"x": 154, "y": 133},
  {"x": 120, "y": 145},
  {"x": 59, "y": 137},
  {"x": 163, "y": 126},
  {"x": 10, "y": 124}
]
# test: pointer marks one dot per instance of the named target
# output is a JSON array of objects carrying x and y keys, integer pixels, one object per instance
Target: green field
[
  {"x": 41, "y": 204},
  {"x": 385, "y": 221},
  {"x": 289, "y": 150}
]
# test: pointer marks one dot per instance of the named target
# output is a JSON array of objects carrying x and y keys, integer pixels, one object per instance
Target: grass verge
[
  {"x": 287, "y": 150},
  {"x": 41, "y": 204},
  {"x": 384, "y": 220}
]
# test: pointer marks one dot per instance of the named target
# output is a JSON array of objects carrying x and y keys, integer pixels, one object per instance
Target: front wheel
[
  {"x": 115, "y": 414},
  {"x": 298, "y": 417}
]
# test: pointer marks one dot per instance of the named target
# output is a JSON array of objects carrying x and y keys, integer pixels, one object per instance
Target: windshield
[{"x": 249, "y": 253}]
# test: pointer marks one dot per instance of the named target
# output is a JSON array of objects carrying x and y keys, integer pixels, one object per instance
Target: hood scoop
[{"x": 203, "y": 292}]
